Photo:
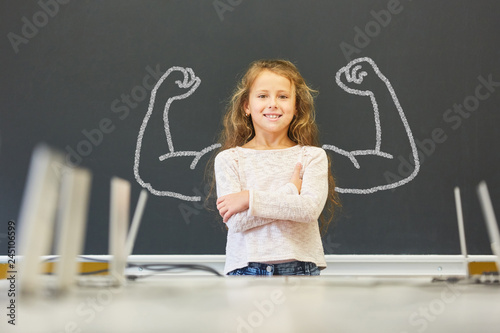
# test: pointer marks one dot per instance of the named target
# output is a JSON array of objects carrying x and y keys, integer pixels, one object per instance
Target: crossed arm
[
  {"x": 233, "y": 203},
  {"x": 300, "y": 200}
]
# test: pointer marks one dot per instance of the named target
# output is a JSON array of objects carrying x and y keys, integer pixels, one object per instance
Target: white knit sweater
[{"x": 280, "y": 224}]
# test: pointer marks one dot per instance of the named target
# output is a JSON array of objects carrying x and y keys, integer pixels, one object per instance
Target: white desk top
[{"x": 275, "y": 304}]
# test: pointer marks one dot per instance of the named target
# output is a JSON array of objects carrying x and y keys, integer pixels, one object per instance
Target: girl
[{"x": 272, "y": 179}]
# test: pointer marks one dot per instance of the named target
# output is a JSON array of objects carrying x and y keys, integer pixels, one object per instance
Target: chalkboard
[{"x": 396, "y": 80}]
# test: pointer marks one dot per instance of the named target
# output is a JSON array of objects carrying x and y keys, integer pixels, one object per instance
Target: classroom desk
[{"x": 265, "y": 304}]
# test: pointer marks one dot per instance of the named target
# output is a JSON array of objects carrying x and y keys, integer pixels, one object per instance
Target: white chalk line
[
  {"x": 191, "y": 82},
  {"x": 357, "y": 78}
]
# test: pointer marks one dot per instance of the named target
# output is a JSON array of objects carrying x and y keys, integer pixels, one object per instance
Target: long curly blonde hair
[{"x": 238, "y": 128}]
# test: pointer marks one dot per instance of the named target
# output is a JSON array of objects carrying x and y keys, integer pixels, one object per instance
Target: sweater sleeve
[
  {"x": 228, "y": 181},
  {"x": 304, "y": 207}
]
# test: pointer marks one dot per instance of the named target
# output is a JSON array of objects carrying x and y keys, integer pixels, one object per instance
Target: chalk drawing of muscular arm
[
  {"x": 190, "y": 83},
  {"x": 353, "y": 74}
]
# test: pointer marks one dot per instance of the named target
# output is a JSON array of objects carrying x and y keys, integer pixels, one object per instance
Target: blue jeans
[{"x": 287, "y": 268}]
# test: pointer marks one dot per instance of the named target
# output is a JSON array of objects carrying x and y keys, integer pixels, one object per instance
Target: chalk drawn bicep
[{"x": 362, "y": 77}]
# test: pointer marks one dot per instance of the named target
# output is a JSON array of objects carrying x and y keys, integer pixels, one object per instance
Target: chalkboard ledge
[{"x": 338, "y": 265}]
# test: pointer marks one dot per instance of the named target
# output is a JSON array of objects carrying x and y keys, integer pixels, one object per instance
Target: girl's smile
[{"x": 272, "y": 116}]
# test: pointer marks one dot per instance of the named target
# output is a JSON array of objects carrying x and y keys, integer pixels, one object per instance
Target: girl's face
[{"x": 271, "y": 104}]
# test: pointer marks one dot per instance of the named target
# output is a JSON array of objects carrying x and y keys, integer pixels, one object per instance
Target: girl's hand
[
  {"x": 233, "y": 203},
  {"x": 296, "y": 179}
]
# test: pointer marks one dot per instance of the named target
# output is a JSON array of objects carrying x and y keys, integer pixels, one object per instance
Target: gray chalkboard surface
[{"x": 408, "y": 109}]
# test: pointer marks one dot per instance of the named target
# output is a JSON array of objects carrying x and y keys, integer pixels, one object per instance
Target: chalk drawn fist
[{"x": 357, "y": 76}]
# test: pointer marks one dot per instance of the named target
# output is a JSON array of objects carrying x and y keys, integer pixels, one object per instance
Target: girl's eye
[
  {"x": 261, "y": 96},
  {"x": 283, "y": 97}
]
